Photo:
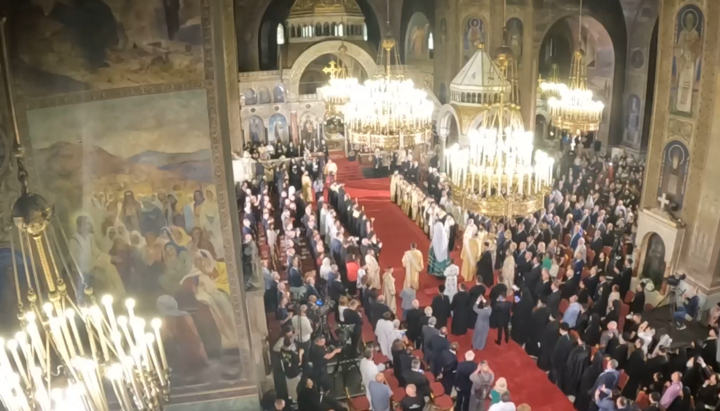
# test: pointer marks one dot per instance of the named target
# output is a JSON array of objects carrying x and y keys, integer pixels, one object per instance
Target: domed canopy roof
[{"x": 306, "y": 8}]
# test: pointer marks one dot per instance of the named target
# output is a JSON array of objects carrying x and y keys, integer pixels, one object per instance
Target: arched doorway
[
  {"x": 653, "y": 266},
  {"x": 541, "y": 129}
]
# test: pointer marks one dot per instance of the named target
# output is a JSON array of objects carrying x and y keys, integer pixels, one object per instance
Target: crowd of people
[{"x": 558, "y": 282}]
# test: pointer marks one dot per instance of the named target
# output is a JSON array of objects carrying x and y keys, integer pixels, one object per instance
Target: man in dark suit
[
  {"x": 623, "y": 277},
  {"x": 502, "y": 308},
  {"x": 428, "y": 331},
  {"x": 521, "y": 235},
  {"x": 532, "y": 278},
  {"x": 413, "y": 317},
  {"x": 609, "y": 378},
  {"x": 437, "y": 344},
  {"x": 553, "y": 301},
  {"x": 448, "y": 367},
  {"x": 377, "y": 310},
  {"x": 417, "y": 377},
  {"x": 441, "y": 307},
  {"x": 463, "y": 384}
]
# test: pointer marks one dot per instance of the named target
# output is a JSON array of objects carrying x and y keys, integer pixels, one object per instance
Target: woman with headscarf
[
  {"x": 207, "y": 293},
  {"x": 373, "y": 272},
  {"x": 198, "y": 241},
  {"x": 109, "y": 240},
  {"x": 326, "y": 269},
  {"x": 498, "y": 390},
  {"x": 217, "y": 271},
  {"x": 591, "y": 336},
  {"x": 521, "y": 313},
  {"x": 178, "y": 263},
  {"x": 584, "y": 397},
  {"x": 210, "y": 221},
  {"x": 438, "y": 257}
]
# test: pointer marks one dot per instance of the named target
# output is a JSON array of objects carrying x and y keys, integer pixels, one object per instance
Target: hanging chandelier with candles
[
  {"x": 552, "y": 86},
  {"x": 389, "y": 112},
  {"x": 71, "y": 353},
  {"x": 497, "y": 175},
  {"x": 575, "y": 110},
  {"x": 341, "y": 84}
]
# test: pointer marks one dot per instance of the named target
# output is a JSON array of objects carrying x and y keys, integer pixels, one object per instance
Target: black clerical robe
[
  {"x": 576, "y": 364},
  {"x": 564, "y": 345},
  {"x": 460, "y": 313},
  {"x": 538, "y": 321},
  {"x": 441, "y": 310},
  {"x": 475, "y": 292},
  {"x": 550, "y": 337},
  {"x": 485, "y": 269}
]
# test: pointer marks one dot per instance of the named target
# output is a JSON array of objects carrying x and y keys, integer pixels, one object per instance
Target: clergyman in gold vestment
[{"x": 413, "y": 262}]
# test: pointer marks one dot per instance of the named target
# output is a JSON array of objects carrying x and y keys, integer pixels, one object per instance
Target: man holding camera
[{"x": 317, "y": 362}]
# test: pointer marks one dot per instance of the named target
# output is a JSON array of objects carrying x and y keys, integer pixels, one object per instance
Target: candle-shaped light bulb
[{"x": 48, "y": 308}]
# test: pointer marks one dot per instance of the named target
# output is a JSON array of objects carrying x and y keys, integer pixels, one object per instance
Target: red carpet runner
[{"x": 527, "y": 383}]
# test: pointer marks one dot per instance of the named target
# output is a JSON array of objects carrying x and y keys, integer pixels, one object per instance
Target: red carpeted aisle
[{"x": 527, "y": 383}]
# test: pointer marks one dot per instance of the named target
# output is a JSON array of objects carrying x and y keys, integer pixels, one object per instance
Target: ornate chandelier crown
[
  {"x": 496, "y": 175},
  {"x": 341, "y": 84},
  {"x": 389, "y": 112},
  {"x": 575, "y": 110},
  {"x": 552, "y": 86}
]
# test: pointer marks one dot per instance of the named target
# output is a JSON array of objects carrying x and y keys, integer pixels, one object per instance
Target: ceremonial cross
[
  {"x": 332, "y": 69},
  {"x": 663, "y": 200}
]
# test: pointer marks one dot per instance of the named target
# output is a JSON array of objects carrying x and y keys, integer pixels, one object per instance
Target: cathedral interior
[{"x": 127, "y": 117}]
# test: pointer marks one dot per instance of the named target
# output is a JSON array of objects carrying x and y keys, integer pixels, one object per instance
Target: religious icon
[
  {"x": 250, "y": 96},
  {"x": 418, "y": 32},
  {"x": 674, "y": 169},
  {"x": 278, "y": 129},
  {"x": 515, "y": 40},
  {"x": 686, "y": 59},
  {"x": 257, "y": 130},
  {"x": 654, "y": 265},
  {"x": 632, "y": 121},
  {"x": 278, "y": 94},
  {"x": 474, "y": 33}
]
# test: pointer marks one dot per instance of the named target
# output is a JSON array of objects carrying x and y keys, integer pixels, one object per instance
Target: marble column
[
  {"x": 699, "y": 131},
  {"x": 443, "y": 142},
  {"x": 224, "y": 94}
]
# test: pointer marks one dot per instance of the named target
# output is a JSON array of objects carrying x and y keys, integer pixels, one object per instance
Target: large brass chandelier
[
  {"x": 388, "y": 113},
  {"x": 70, "y": 356},
  {"x": 552, "y": 86},
  {"x": 575, "y": 110},
  {"x": 341, "y": 84},
  {"x": 498, "y": 175}
]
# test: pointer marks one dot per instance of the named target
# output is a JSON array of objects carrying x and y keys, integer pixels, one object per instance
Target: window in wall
[
  {"x": 365, "y": 32},
  {"x": 431, "y": 43},
  {"x": 340, "y": 30},
  {"x": 280, "y": 34}
]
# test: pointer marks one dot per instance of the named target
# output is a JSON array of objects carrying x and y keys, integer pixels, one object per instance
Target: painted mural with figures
[
  {"x": 103, "y": 44},
  {"x": 687, "y": 62},
  {"x": 135, "y": 193}
]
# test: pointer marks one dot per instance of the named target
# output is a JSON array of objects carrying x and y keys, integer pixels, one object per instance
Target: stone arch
[
  {"x": 445, "y": 116},
  {"x": 322, "y": 48}
]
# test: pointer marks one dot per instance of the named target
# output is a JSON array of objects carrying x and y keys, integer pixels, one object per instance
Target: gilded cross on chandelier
[
  {"x": 663, "y": 200},
  {"x": 332, "y": 69}
]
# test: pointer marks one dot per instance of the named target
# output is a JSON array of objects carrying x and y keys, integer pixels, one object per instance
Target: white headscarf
[
  {"x": 325, "y": 269},
  {"x": 440, "y": 242}
]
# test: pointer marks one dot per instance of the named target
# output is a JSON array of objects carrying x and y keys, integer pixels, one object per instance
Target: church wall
[
  {"x": 694, "y": 123},
  {"x": 640, "y": 18},
  {"x": 133, "y": 131}
]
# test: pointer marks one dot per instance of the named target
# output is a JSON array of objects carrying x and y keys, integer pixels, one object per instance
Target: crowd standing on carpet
[{"x": 562, "y": 291}]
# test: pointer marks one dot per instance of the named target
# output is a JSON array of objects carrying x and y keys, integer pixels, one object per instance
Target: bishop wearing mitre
[{"x": 414, "y": 263}]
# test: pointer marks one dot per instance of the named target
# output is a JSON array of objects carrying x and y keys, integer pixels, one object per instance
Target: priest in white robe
[
  {"x": 385, "y": 334},
  {"x": 389, "y": 291},
  {"x": 451, "y": 281}
]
